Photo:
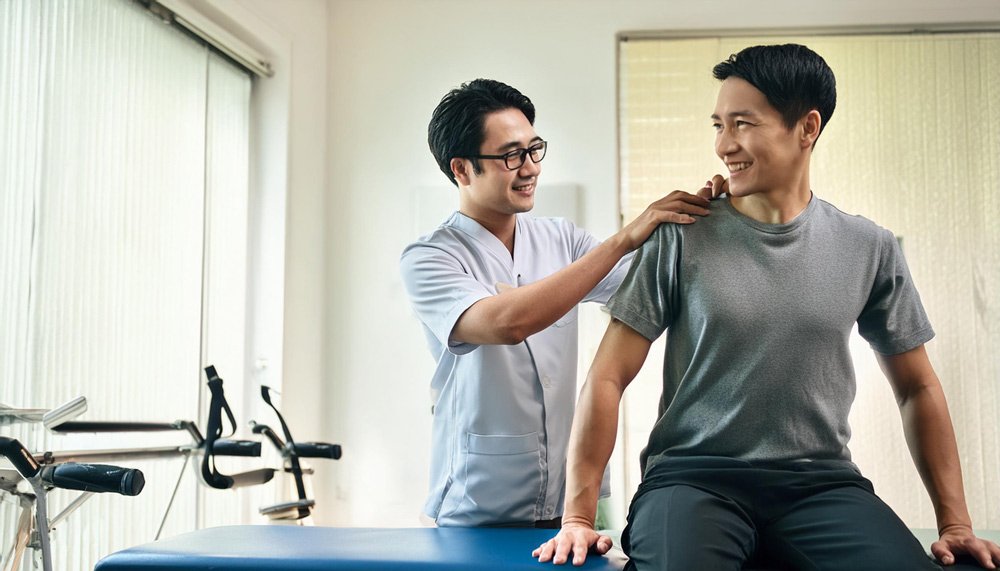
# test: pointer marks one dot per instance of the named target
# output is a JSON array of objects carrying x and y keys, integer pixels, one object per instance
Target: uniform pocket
[
  {"x": 503, "y": 477},
  {"x": 502, "y": 445}
]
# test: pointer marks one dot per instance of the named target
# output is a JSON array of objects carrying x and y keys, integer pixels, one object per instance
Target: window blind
[{"x": 123, "y": 218}]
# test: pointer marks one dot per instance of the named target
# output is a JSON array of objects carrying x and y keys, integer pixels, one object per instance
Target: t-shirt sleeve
[
  {"x": 893, "y": 320},
  {"x": 440, "y": 291},
  {"x": 649, "y": 296}
]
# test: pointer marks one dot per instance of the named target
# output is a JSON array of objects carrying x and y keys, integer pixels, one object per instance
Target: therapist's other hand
[
  {"x": 715, "y": 187},
  {"x": 960, "y": 539},
  {"x": 574, "y": 539}
]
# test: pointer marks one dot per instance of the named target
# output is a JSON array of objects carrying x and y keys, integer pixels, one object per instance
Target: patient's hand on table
[
  {"x": 959, "y": 539},
  {"x": 575, "y": 539}
]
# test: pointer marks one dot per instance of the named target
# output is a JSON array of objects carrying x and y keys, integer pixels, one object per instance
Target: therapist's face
[{"x": 497, "y": 191}]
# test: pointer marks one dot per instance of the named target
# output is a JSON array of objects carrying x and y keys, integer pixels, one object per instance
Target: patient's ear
[{"x": 810, "y": 125}]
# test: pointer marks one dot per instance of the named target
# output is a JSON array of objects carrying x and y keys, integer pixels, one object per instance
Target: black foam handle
[
  {"x": 226, "y": 447},
  {"x": 95, "y": 478},
  {"x": 23, "y": 461},
  {"x": 317, "y": 450}
]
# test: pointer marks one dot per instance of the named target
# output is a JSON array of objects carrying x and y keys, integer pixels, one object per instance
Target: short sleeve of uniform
[
  {"x": 584, "y": 242},
  {"x": 440, "y": 290},
  {"x": 893, "y": 320},
  {"x": 649, "y": 296}
]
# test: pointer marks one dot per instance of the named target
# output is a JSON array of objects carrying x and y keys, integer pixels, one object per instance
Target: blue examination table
[{"x": 281, "y": 548}]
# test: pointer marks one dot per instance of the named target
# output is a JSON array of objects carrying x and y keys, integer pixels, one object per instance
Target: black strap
[
  {"x": 293, "y": 457},
  {"x": 218, "y": 404}
]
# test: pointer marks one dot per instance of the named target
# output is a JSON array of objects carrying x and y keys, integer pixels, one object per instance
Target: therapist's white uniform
[{"x": 502, "y": 413}]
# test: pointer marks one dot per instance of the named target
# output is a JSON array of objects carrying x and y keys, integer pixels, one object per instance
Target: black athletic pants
[{"x": 716, "y": 514}]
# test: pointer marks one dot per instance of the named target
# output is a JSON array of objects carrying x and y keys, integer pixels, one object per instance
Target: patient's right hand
[{"x": 573, "y": 538}]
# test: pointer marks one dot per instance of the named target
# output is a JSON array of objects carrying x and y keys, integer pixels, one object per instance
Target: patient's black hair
[{"x": 794, "y": 79}]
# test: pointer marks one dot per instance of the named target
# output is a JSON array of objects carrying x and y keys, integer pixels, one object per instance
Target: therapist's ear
[{"x": 460, "y": 168}]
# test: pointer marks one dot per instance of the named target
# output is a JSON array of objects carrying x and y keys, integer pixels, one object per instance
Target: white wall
[{"x": 363, "y": 369}]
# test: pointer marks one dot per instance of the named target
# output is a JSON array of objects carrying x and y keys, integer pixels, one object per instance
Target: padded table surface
[{"x": 278, "y": 548}]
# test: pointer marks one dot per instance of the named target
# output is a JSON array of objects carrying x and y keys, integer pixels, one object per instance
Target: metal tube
[
  {"x": 41, "y": 522},
  {"x": 110, "y": 455},
  {"x": 72, "y": 507},
  {"x": 64, "y": 413},
  {"x": 173, "y": 495}
]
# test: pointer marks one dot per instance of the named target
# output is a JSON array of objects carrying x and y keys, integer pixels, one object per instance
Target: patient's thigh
[
  {"x": 844, "y": 528},
  {"x": 684, "y": 528}
]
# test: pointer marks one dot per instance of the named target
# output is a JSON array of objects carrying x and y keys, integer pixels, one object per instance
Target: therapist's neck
[{"x": 499, "y": 224}]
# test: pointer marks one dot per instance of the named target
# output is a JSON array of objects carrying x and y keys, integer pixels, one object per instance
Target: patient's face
[{"x": 760, "y": 152}]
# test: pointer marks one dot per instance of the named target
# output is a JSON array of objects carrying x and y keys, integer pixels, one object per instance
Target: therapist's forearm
[
  {"x": 512, "y": 315},
  {"x": 931, "y": 439}
]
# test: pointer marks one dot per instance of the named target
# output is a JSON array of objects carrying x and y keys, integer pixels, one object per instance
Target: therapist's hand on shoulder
[
  {"x": 573, "y": 539},
  {"x": 678, "y": 207},
  {"x": 715, "y": 187}
]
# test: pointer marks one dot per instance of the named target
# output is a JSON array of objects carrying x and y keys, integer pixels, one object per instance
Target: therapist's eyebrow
[{"x": 517, "y": 145}]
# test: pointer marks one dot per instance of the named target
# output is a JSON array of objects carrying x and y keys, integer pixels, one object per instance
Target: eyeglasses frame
[{"x": 525, "y": 154}]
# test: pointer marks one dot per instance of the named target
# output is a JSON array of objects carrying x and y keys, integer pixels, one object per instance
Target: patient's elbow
[{"x": 914, "y": 392}]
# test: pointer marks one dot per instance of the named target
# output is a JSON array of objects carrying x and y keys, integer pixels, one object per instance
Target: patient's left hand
[
  {"x": 960, "y": 539},
  {"x": 574, "y": 540}
]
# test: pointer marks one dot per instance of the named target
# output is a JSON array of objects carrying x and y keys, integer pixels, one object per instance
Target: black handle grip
[
  {"x": 95, "y": 478},
  {"x": 317, "y": 450},
  {"x": 227, "y": 447},
  {"x": 23, "y": 461}
]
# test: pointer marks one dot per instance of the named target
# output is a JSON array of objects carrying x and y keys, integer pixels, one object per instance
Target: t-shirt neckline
[{"x": 783, "y": 228}]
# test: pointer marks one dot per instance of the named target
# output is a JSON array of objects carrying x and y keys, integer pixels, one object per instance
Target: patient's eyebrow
[{"x": 744, "y": 113}]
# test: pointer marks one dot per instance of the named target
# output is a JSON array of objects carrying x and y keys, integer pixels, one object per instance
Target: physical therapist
[{"x": 496, "y": 291}]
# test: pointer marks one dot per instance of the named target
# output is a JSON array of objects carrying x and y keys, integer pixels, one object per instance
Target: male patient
[{"x": 749, "y": 456}]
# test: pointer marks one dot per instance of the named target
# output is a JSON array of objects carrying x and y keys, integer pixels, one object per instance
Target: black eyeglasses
[{"x": 515, "y": 159}]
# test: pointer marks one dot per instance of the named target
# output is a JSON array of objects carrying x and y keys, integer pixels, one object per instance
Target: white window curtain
[
  {"x": 914, "y": 146},
  {"x": 123, "y": 247}
]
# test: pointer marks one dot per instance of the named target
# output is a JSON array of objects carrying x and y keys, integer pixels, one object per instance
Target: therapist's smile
[{"x": 528, "y": 187}]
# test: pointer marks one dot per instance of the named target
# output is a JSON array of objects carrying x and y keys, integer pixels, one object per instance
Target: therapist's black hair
[
  {"x": 794, "y": 79},
  {"x": 457, "y": 125}
]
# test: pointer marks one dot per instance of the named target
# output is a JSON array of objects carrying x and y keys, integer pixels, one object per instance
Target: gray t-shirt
[{"x": 757, "y": 363}]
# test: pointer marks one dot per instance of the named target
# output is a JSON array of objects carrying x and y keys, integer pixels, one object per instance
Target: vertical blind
[
  {"x": 914, "y": 146},
  {"x": 123, "y": 220}
]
